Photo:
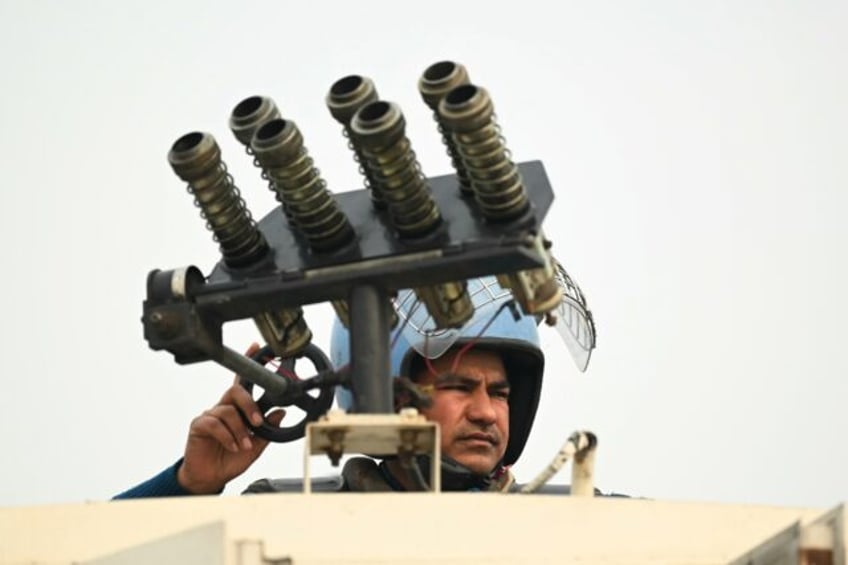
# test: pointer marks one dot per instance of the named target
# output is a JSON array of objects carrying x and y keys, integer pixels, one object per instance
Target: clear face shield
[{"x": 574, "y": 322}]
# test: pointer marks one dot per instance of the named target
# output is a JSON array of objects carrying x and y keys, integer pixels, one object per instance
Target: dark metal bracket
[{"x": 184, "y": 312}]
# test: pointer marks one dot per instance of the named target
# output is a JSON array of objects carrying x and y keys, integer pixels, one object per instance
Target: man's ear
[
  {"x": 408, "y": 394},
  {"x": 402, "y": 400},
  {"x": 402, "y": 397}
]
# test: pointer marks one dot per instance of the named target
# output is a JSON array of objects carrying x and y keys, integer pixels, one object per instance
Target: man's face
[{"x": 470, "y": 403}]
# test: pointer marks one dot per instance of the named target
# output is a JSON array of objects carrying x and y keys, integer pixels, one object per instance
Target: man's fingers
[
  {"x": 274, "y": 418},
  {"x": 209, "y": 425},
  {"x": 251, "y": 349},
  {"x": 232, "y": 419},
  {"x": 238, "y": 396},
  {"x": 225, "y": 425}
]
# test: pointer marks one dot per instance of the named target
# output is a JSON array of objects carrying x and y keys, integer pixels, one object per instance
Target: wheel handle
[{"x": 313, "y": 406}]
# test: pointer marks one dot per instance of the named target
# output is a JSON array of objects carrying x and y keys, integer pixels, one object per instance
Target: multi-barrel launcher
[{"x": 356, "y": 249}]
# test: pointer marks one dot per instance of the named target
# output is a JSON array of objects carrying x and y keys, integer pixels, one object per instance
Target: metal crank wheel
[{"x": 312, "y": 406}]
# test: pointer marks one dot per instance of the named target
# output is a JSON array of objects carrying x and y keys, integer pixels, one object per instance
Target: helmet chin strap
[{"x": 456, "y": 476}]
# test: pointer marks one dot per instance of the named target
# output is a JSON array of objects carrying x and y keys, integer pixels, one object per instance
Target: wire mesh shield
[
  {"x": 574, "y": 324},
  {"x": 419, "y": 329}
]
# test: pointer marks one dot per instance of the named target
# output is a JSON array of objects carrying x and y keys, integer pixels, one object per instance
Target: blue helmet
[{"x": 494, "y": 326}]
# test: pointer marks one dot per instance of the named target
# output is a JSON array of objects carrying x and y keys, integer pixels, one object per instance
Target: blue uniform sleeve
[{"x": 163, "y": 484}]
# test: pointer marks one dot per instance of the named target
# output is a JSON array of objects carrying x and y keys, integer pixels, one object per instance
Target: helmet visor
[{"x": 419, "y": 329}]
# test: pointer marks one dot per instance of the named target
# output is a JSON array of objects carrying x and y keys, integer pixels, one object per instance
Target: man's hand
[{"x": 220, "y": 446}]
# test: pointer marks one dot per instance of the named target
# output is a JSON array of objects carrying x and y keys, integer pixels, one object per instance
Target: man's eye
[
  {"x": 500, "y": 394},
  {"x": 457, "y": 386}
]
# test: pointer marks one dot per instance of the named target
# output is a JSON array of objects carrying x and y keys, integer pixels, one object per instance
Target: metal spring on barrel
[
  {"x": 279, "y": 147},
  {"x": 346, "y": 96},
  {"x": 196, "y": 158},
  {"x": 468, "y": 113},
  {"x": 248, "y": 116},
  {"x": 435, "y": 82},
  {"x": 380, "y": 129}
]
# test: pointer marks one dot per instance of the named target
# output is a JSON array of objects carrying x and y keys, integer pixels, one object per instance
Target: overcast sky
[{"x": 698, "y": 155}]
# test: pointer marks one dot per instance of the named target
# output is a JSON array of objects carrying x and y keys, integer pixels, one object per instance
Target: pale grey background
[{"x": 698, "y": 155}]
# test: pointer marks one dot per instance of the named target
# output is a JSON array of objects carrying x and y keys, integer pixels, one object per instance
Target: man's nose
[{"x": 481, "y": 409}]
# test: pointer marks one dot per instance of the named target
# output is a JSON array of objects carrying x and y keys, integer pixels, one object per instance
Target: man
[
  {"x": 483, "y": 388},
  {"x": 469, "y": 398}
]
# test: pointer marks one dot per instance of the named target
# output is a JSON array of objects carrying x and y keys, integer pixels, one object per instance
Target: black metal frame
[{"x": 186, "y": 320}]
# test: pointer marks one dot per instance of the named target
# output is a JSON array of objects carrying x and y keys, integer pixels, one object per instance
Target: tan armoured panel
[{"x": 409, "y": 528}]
